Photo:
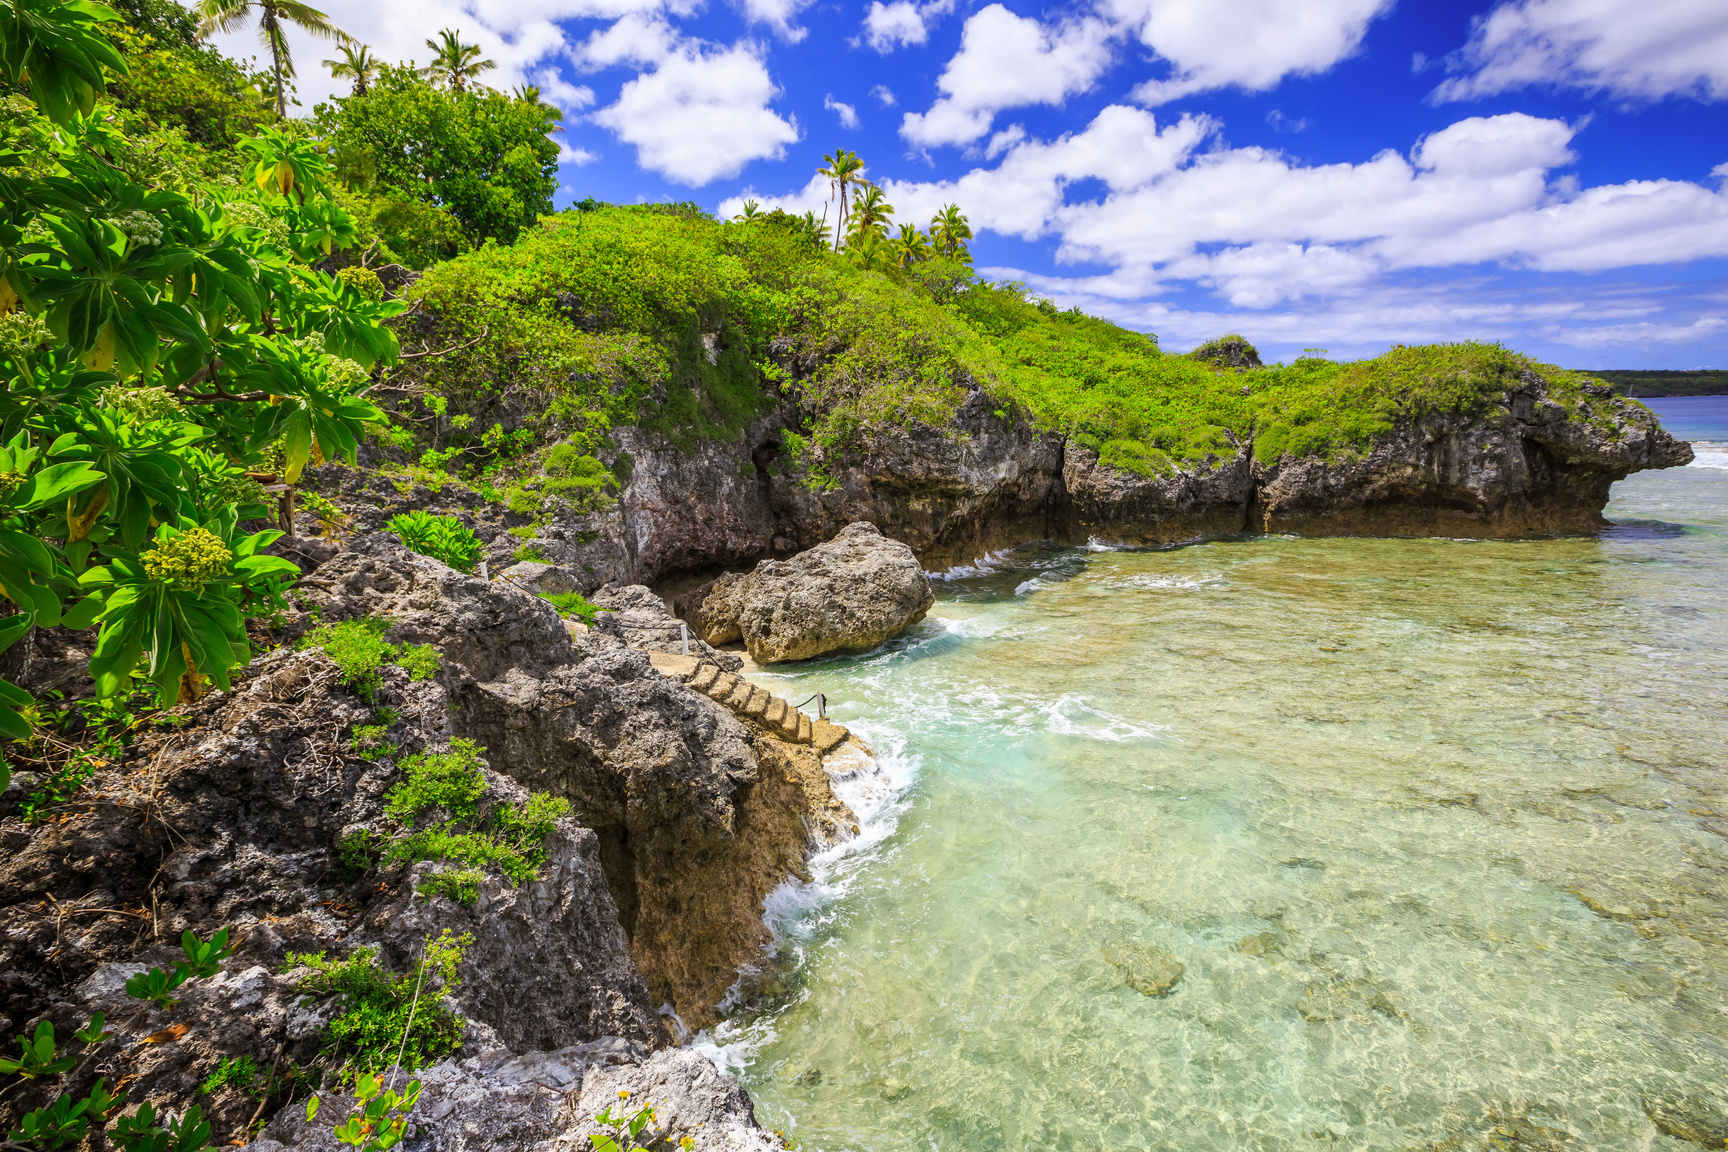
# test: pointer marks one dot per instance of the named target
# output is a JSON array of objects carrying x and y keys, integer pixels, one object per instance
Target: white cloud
[
  {"x": 1635, "y": 49},
  {"x": 895, "y": 25},
  {"x": 1259, "y": 230},
  {"x": 635, "y": 41},
  {"x": 1646, "y": 333},
  {"x": 518, "y": 34},
  {"x": 576, "y": 156},
  {"x": 848, "y": 114},
  {"x": 558, "y": 91},
  {"x": 1006, "y": 61},
  {"x": 1251, "y": 44},
  {"x": 778, "y": 15},
  {"x": 701, "y": 114},
  {"x": 885, "y": 96}
]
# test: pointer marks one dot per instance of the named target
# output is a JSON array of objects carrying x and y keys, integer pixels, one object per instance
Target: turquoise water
[{"x": 1435, "y": 829}]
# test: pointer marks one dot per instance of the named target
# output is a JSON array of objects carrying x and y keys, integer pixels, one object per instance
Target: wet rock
[
  {"x": 847, "y": 595},
  {"x": 1689, "y": 1117},
  {"x": 1148, "y": 969}
]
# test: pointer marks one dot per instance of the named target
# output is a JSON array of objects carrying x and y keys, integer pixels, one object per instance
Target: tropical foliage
[
  {"x": 483, "y": 156},
  {"x": 274, "y": 17},
  {"x": 167, "y": 346}
]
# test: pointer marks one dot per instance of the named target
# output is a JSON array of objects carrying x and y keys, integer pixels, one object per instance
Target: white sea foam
[
  {"x": 1096, "y": 545},
  {"x": 1071, "y": 715},
  {"x": 1147, "y": 580},
  {"x": 1029, "y": 587},
  {"x": 983, "y": 566},
  {"x": 878, "y": 795},
  {"x": 1709, "y": 454}
]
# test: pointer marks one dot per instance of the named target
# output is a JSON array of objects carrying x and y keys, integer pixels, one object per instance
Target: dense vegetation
[{"x": 662, "y": 317}]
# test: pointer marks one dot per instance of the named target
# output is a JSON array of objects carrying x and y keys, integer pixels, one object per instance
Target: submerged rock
[
  {"x": 1342, "y": 999},
  {"x": 847, "y": 595},
  {"x": 1148, "y": 969},
  {"x": 1689, "y": 1118}
]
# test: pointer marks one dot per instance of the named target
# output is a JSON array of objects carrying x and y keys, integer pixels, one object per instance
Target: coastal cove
[{"x": 1433, "y": 827}]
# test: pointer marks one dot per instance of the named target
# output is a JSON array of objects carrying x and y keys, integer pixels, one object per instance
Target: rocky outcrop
[
  {"x": 846, "y": 595},
  {"x": 697, "y": 818},
  {"x": 649, "y": 898},
  {"x": 546, "y": 1101},
  {"x": 1528, "y": 465},
  {"x": 1211, "y": 500}
]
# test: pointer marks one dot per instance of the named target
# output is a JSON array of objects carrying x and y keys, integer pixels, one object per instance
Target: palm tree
[
  {"x": 357, "y": 63},
  {"x": 752, "y": 212},
  {"x": 870, "y": 212},
  {"x": 454, "y": 62},
  {"x": 910, "y": 246},
  {"x": 227, "y": 15},
  {"x": 868, "y": 250},
  {"x": 949, "y": 230},
  {"x": 843, "y": 170}
]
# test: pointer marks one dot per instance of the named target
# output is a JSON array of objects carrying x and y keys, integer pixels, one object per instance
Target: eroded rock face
[
  {"x": 847, "y": 595},
  {"x": 1118, "y": 506},
  {"x": 1526, "y": 466}
]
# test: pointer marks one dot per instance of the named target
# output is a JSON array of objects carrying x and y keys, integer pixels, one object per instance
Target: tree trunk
[{"x": 273, "y": 31}]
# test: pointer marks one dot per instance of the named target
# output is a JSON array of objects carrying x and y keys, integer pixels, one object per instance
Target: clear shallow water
[{"x": 1435, "y": 828}]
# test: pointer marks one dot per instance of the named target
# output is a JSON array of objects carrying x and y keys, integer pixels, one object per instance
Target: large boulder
[{"x": 847, "y": 595}]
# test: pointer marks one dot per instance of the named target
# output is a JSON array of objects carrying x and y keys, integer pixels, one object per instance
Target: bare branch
[{"x": 445, "y": 351}]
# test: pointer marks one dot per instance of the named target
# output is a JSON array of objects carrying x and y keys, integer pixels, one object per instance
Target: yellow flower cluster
[
  {"x": 189, "y": 559},
  {"x": 10, "y": 482}
]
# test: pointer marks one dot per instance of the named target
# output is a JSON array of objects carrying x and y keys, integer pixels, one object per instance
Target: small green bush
[
  {"x": 573, "y": 604},
  {"x": 231, "y": 1071},
  {"x": 369, "y": 741},
  {"x": 443, "y": 538},
  {"x": 439, "y": 804},
  {"x": 376, "y": 1005},
  {"x": 359, "y": 649},
  {"x": 528, "y": 552}
]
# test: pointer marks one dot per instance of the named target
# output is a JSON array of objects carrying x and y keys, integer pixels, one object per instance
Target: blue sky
[{"x": 1341, "y": 174}]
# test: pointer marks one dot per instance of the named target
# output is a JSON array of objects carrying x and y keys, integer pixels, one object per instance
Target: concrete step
[
  {"x": 825, "y": 737},
  {"x": 722, "y": 686},
  {"x": 677, "y": 667},
  {"x": 776, "y": 712},
  {"x": 804, "y": 730},
  {"x": 705, "y": 676},
  {"x": 739, "y": 698},
  {"x": 757, "y": 706}
]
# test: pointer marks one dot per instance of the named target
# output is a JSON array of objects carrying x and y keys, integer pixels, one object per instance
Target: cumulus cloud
[
  {"x": 1250, "y": 44},
  {"x": 701, "y": 114},
  {"x": 1635, "y": 49},
  {"x": 848, "y": 114},
  {"x": 519, "y": 34},
  {"x": 885, "y": 96},
  {"x": 1259, "y": 230},
  {"x": 778, "y": 15},
  {"x": 1007, "y": 61},
  {"x": 895, "y": 25}
]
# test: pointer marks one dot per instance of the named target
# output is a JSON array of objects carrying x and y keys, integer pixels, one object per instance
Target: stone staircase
[{"x": 750, "y": 702}]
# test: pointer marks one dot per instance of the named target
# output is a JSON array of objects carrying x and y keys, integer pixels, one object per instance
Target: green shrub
[
  {"x": 236, "y": 1072},
  {"x": 573, "y": 605},
  {"x": 444, "y": 538},
  {"x": 528, "y": 552},
  {"x": 359, "y": 649},
  {"x": 439, "y": 804},
  {"x": 369, "y": 741},
  {"x": 373, "y": 1024}
]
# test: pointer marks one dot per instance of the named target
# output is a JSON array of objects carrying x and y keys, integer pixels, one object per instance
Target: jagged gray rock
[
  {"x": 546, "y": 1102},
  {"x": 847, "y": 595},
  {"x": 540, "y": 579}
]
